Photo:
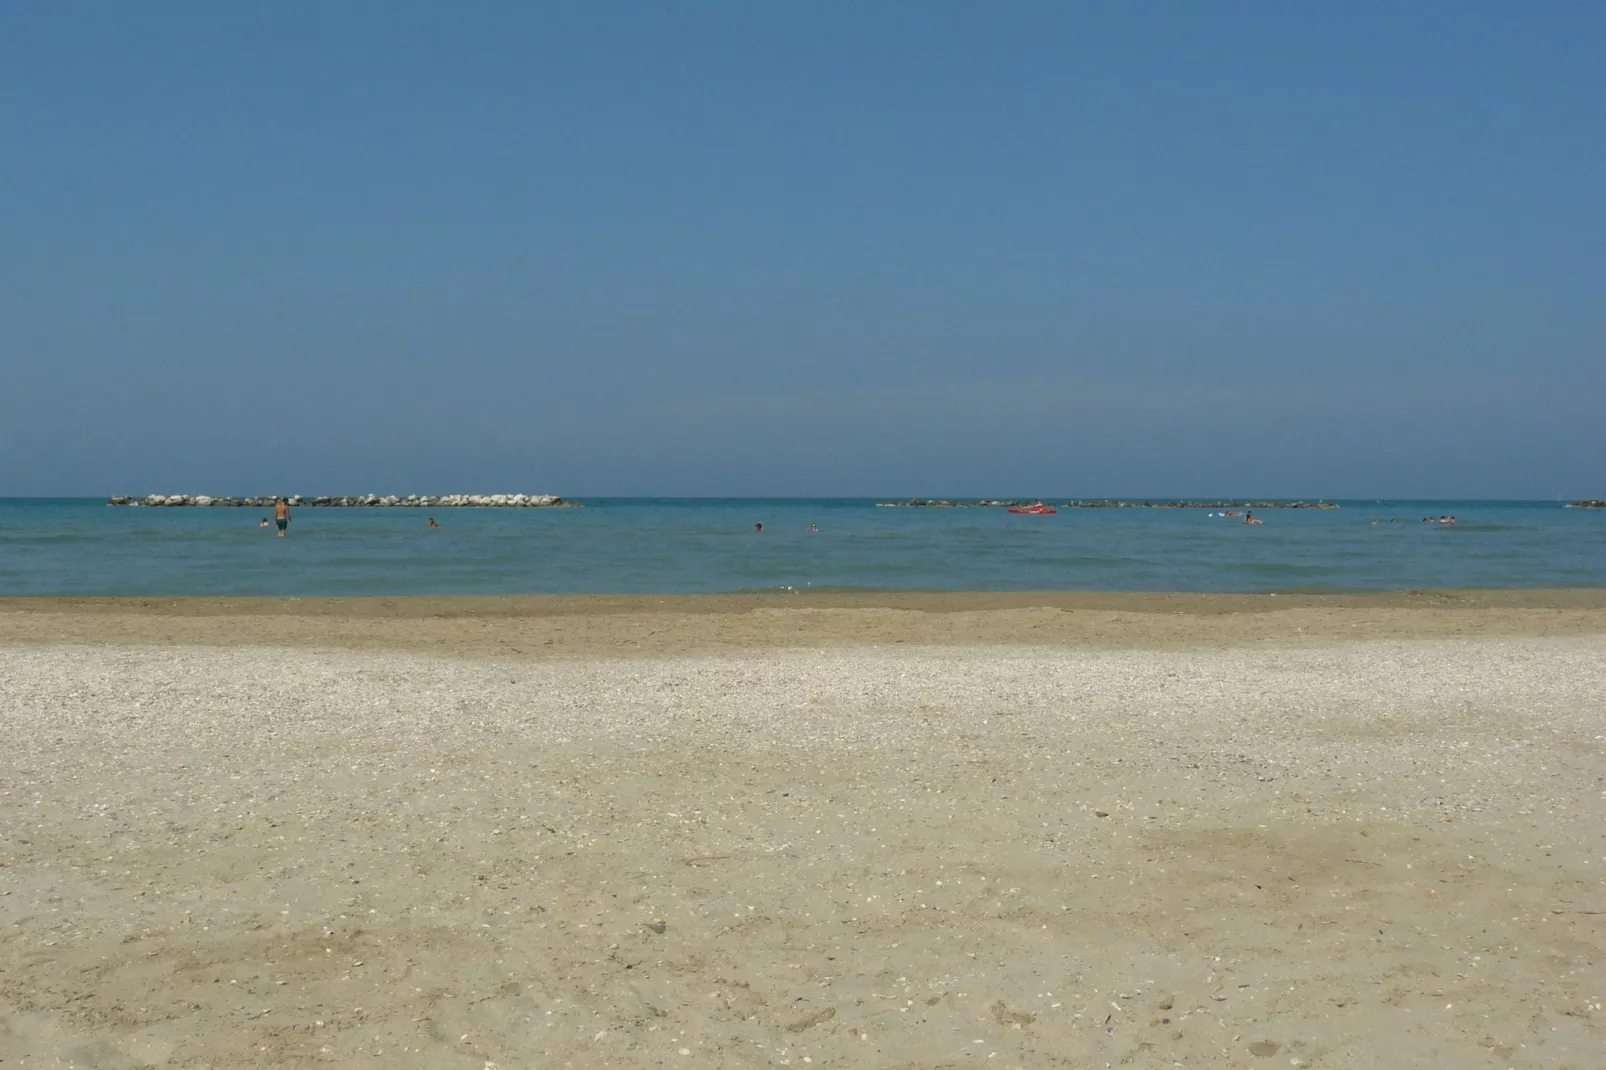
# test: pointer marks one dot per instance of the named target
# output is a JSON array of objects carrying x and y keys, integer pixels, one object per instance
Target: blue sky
[{"x": 877, "y": 248}]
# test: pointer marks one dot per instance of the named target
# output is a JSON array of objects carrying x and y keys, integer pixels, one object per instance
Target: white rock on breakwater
[{"x": 370, "y": 501}]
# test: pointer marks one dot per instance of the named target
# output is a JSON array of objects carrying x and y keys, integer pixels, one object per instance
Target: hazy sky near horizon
[{"x": 730, "y": 248}]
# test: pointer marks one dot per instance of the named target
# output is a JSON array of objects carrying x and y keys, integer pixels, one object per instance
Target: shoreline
[
  {"x": 924, "y": 600},
  {"x": 609, "y": 626}
]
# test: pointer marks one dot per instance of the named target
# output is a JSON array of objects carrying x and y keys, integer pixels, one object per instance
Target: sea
[{"x": 69, "y": 546}]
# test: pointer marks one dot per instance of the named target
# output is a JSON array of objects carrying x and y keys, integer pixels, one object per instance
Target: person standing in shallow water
[{"x": 281, "y": 515}]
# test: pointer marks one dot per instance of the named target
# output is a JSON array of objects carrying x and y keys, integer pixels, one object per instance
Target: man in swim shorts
[{"x": 281, "y": 515}]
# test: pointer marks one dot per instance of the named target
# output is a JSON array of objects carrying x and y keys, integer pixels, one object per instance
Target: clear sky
[{"x": 1342, "y": 249}]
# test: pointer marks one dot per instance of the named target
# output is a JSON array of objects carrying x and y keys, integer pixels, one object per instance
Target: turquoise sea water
[{"x": 84, "y": 547}]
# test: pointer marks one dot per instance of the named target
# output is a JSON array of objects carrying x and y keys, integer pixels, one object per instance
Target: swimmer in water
[
  {"x": 263, "y": 523},
  {"x": 813, "y": 528},
  {"x": 432, "y": 523},
  {"x": 758, "y": 527},
  {"x": 1249, "y": 518}
]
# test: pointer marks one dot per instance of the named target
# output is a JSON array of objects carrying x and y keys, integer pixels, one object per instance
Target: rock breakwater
[
  {"x": 360, "y": 501},
  {"x": 1100, "y": 503},
  {"x": 1589, "y": 503}
]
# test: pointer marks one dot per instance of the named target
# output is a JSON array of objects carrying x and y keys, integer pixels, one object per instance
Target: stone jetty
[
  {"x": 1100, "y": 503},
  {"x": 1590, "y": 503},
  {"x": 1108, "y": 503},
  {"x": 361, "y": 501}
]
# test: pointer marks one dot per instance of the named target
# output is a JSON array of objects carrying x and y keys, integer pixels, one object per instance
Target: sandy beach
[{"x": 876, "y": 830}]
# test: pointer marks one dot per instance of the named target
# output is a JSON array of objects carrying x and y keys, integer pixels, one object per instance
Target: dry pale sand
[{"x": 950, "y": 834}]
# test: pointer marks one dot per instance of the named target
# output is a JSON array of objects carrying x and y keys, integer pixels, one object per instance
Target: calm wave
[{"x": 84, "y": 547}]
